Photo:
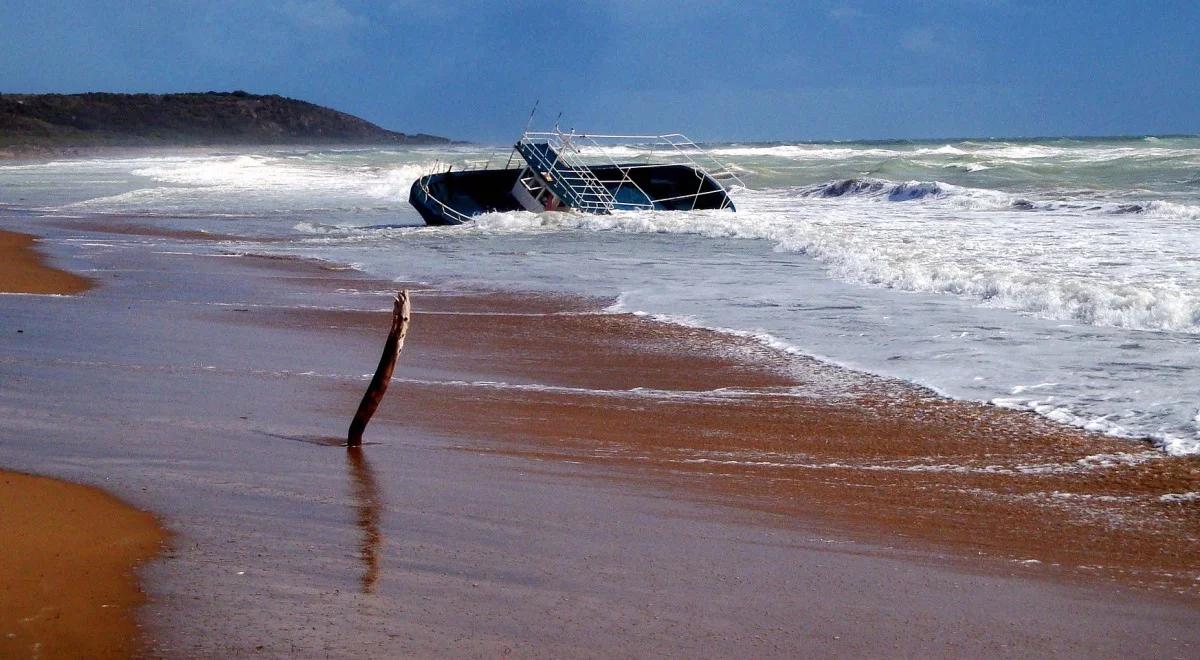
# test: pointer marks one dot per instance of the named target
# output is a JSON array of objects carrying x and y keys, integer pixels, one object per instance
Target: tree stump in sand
[{"x": 383, "y": 373}]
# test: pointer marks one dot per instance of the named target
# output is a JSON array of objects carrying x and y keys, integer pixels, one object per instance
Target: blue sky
[{"x": 716, "y": 70}]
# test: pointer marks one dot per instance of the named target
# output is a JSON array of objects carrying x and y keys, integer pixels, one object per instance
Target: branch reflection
[{"x": 368, "y": 508}]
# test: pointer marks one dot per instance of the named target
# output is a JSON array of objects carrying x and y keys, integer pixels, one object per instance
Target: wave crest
[{"x": 865, "y": 187}]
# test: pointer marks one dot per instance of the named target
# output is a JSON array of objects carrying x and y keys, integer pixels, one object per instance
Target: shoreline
[
  {"x": 41, "y": 153},
  {"x": 928, "y": 472},
  {"x": 70, "y": 551},
  {"x": 884, "y": 461},
  {"x": 509, "y": 406},
  {"x": 894, "y": 436}
]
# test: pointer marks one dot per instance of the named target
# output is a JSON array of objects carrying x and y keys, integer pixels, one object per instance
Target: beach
[
  {"x": 546, "y": 477},
  {"x": 67, "y": 569},
  {"x": 895, "y": 353},
  {"x": 22, "y": 269}
]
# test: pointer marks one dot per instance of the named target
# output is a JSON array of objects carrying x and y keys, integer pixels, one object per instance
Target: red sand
[
  {"x": 22, "y": 270},
  {"x": 67, "y": 586}
]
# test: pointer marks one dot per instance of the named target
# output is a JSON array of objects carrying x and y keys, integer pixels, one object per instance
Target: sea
[{"x": 1059, "y": 276}]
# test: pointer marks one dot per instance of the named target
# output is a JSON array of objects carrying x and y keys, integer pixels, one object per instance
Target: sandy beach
[
  {"x": 23, "y": 270},
  {"x": 547, "y": 479},
  {"x": 67, "y": 569}
]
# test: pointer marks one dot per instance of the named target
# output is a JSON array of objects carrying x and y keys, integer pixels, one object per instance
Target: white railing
[
  {"x": 586, "y": 192},
  {"x": 667, "y": 149},
  {"x": 423, "y": 183}
]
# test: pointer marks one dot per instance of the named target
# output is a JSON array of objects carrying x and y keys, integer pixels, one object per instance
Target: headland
[{"x": 33, "y": 125}]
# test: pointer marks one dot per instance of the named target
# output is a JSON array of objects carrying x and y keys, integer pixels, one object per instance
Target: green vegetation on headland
[{"x": 56, "y": 123}]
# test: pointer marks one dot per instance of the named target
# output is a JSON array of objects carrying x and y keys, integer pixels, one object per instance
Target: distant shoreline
[
  {"x": 33, "y": 125},
  {"x": 36, "y": 153}
]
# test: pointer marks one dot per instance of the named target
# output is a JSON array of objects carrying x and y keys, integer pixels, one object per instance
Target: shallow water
[{"x": 1058, "y": 275}]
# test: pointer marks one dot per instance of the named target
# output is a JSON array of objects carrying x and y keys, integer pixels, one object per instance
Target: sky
[{"x": 716, "y": 70}]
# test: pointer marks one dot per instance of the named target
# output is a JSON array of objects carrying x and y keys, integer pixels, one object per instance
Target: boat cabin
[{"x": 567, "y": 172}]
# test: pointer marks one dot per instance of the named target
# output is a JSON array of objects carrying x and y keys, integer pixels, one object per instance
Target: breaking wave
[
  {"x": 258, "y": 183},
  {"x": 1081, "y": 262},
  {"x": 983, "y": 199},
  {"x": 894, "y": 192}
]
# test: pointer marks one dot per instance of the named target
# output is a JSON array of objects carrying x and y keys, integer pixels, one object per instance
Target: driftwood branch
[{"x": 383, "y": 373}]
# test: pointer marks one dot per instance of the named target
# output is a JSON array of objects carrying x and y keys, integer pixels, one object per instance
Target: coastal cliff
[{"x": 62, "y": 122}]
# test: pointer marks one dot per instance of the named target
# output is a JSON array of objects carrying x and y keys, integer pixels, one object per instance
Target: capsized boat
[{"x": 569, "y": 171}]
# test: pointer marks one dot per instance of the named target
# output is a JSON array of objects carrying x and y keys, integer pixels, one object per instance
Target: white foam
[
  {"x": 1085, "y": 264},
  {"x": 997, "y": 152},
  {"x": 1164, "y": 209},
  {"x": 719, "y": 394},
  {"x": 799, "y": 461},
  {"x": 939, "y": 250},
  {"x": 259, "y": 183},
  {"x": 394, "y": 183},
  {"x": 1019, "y": 389}
]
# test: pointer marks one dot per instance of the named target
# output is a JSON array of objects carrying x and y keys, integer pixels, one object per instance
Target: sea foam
[{"x": 971, "y": 243}]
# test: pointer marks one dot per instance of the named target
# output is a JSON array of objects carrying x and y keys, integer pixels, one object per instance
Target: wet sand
[
  {"x": 546, "y": 479},
  {"x": 67, "y": 565},
  {"x": 24, "y": 270},
  {"x": 69, "y": 551},
  {"x": 732, "y": 422}
]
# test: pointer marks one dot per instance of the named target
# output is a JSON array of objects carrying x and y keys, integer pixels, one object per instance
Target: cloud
[
  {"x": 320, "y": 15},
  {"x": 920, "y": 40},
  {"x": 232, "y": 38},
  {"x": 945, "y": 46},
  {"x": 845, "y": 13}
]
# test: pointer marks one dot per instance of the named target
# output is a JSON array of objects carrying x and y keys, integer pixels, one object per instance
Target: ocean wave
[
  {"x": 1015, "y": 282},
  {"x": 258, "y": 183},
  {"x": 880, "y": 188},
  {"x": 865, "y": 188},
  {"x": 943, "y": 250},
  {"x": 973, "y": 156},
  {"x": 811, "y": 152},
  {"x": 394, "y": 183},
  {"x": 985, "y": 199},
  {"x": 251, "y": 172},
  {"x": 1077, "y": 155},
  {"x": 1173, "y": 441},
  {"x": 1082, "y": 233},
  {"x": 792, "y": 152},
  {"x": 1172, "y": 210}
]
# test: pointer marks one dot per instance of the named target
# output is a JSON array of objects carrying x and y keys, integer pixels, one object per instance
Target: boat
[{"x": 570, "y": 171}]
